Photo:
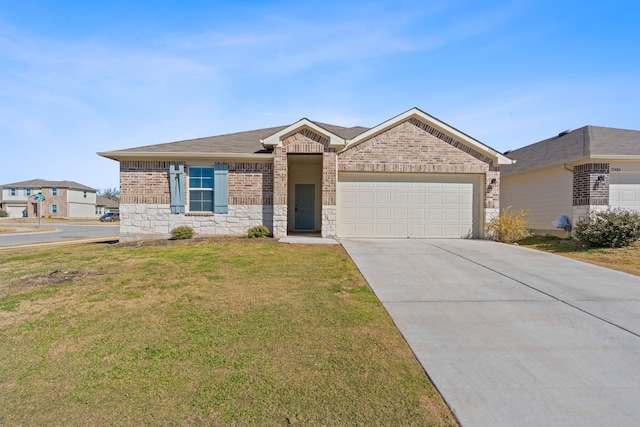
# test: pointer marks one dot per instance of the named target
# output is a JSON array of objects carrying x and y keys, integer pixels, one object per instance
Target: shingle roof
[
  {"x": 40, "y": 183},
  {"x": 234, "y": 143},
  {"x": 579, "y": 144},
  {"x": 106, "y": 202}
]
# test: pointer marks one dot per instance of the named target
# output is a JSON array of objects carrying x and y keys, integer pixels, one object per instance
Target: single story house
[
  {"x": 411, "y": 176},
  {"x": 62, "y": 199},
  {"x": 105, "y": 205},
  {"x": 572, "y": 174}
]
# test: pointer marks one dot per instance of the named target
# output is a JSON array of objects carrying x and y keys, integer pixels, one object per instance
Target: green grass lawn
[
  {"x": 202, "y": 332},
  {"x": 626, "y": 259}
]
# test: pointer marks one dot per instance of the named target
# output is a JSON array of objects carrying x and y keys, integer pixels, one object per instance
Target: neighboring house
[
  {"x": 411, "y": 176},
  {"x": 62, "y": 199},
  {"x": 591, "y": 168},
  {"x": 105, "y": 204}
]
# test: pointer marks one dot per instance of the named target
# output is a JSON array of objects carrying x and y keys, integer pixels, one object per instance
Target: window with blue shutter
[{"x": 201, "y": 188}]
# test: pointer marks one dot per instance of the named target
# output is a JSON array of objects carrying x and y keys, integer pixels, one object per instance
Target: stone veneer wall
[
  {"x": 415, "y": 147},
  {"x": 304, "y": 142},
  {"x": 145, "y": 201}
]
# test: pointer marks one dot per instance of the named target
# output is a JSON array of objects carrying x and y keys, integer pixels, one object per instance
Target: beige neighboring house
[
  {"x": 62, "y": 199},
  {"x": 410, "y": 176},
  {"x": 105, "y": 205},
  {"x": 573, "y": 173}
]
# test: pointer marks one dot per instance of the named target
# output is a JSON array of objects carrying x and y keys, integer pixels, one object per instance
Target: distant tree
[{"x": 110, "y": 193}]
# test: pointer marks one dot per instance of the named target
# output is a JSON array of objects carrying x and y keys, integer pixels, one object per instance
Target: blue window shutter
[
  {"x": 176, "y": 188},
  {"x": 50, "y": 209},
  {"x": 220, "y": 189}
]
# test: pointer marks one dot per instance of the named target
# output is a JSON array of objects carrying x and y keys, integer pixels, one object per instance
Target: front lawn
[
  {"x": 201, "y": 332},
  {"x": 626, "y": 259}
]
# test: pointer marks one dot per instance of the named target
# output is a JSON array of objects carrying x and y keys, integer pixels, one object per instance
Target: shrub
[
  {"x": 613, "y": 228},
  {"x": 258, "y": 231},
  {"x": 509, "y": 226},
  {"x": 3, "y": 213},
  {"x": 182, "y": 232}
]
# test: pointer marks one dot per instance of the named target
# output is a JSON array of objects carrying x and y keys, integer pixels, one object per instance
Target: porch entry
[{"x": 305, "y": 206}]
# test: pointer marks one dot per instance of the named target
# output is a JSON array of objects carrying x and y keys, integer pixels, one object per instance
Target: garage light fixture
[{"x": 494, "y": 182}]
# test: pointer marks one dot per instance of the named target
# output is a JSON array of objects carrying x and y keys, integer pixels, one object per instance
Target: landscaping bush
[
  {"x": 613, "y": 228},
  {"x": 509, "y": 226},
  {"x": 258, "y": 231},
  {"x": 3, "y": 213},
  {"x": 182, "y": 232}
]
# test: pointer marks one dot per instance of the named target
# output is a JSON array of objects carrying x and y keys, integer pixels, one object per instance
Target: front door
[{"x": 305, "y": 199}]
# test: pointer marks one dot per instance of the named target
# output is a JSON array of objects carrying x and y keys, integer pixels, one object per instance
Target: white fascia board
[
  {"x": 441, "y": 126},
  {"x": 168, "y": 156},
  {"x": 631, "y": 157},
  {"x": 275, "y": 140}
]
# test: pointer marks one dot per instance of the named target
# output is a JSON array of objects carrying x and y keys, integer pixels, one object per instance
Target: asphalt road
[{"x": 62, "y": 232}]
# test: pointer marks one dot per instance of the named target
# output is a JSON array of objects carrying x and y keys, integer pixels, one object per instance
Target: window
[
  {"x": 13, "y": 191},
  {"x": 53, "y": 191},
  {"x": 28, "y": 191},
  {"x": 53, "y": 209},
  {"x": 200, "y": 189}
]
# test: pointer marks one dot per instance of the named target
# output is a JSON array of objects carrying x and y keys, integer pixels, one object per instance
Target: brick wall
[
  {"x": 144, "y": 182},
  {"x": 60, "y": 200},
  {"x": 147, "y": 182},
  {"x": 412, "y": 147},
  {"x": 250, "y": 183},
  {"x": 587, "y": 191}
]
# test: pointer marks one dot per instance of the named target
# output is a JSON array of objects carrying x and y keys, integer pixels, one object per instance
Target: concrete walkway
[{"x": 512, "y": 336}]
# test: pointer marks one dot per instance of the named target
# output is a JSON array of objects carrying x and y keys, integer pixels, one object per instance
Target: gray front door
[{"x": 305, "y": 206}]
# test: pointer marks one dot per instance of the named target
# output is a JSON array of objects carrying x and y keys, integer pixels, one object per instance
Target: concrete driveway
[{"x": 511, "y": 336}]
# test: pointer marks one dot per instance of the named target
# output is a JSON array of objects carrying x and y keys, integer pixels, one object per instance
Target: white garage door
[
  {"x": 624, "y": 191},
  {"x": 386, "y": 205}
]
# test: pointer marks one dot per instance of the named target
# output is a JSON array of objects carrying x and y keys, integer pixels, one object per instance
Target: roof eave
[{"x": 120, "y": 155}]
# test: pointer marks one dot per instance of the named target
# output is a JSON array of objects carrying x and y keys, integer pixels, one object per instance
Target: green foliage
[
  {"x": 258, "y": 231},
  {"x": 3, "y": 213},
  {"x": 613, "y": 228},
  {"x": 509, "y": 226},
  {"x": 182, "y": 232}
]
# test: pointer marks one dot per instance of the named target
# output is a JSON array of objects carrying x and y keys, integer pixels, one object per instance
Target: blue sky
[{"x": 77, "y": 77}]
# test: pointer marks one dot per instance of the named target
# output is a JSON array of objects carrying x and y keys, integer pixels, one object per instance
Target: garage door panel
[
  {"x": 624, "y": 191},
  {"x": 391, "y": 205}
]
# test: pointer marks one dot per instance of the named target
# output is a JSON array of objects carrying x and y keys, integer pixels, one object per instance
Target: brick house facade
[
  {"x": 62, "y": 199},
  {"x": 293, "y": 178}
]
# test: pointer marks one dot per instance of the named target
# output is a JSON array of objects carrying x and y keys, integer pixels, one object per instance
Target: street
[{"x": 62, "y": 232}]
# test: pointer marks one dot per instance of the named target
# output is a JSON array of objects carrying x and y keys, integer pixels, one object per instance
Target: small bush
[
  {"x": 182, "y": 232},
  {"x": 3, "y": 213},
  {"x": 509, "y": 226},
  {"x": 258, "y": 231},
  {"x": 613, "y": 228}
]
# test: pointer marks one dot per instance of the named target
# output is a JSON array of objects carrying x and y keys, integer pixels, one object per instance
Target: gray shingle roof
[
  {"x": 43, "y": 183},
  {"x": 234, "y": 143},
  {"x": 106, "y": 202},
  {"x": 579, "y": 144}
]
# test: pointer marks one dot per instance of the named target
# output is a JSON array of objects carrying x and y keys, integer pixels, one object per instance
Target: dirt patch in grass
[
  {"x": 625, "y": 259},
  {"x": 207, "y": 332}
]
